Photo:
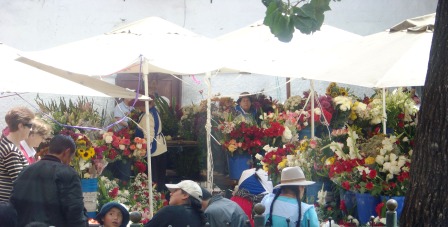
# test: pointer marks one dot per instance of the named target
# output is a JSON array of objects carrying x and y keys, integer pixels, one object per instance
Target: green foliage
[
  {"x": 76, "y": 113},
  {"x": 168, "y": 116},
  {"x": 283, "y": 17}
]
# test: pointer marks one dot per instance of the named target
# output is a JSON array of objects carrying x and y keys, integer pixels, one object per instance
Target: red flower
[
  {"x": 378, "y": 208},
  {"x": 400, "y": 116},
  {"x": 141, "y": 168},
  {"x": 346, "y": 185},
  {"x": 372, "y": 174},
  {"x": 369, "y": 186},
  {"x": 114, "y": 192},
  {"x": 342, "y": 206},
  {"x": 401, "y": 124}
]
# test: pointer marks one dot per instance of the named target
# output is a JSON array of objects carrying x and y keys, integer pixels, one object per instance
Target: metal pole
[
  {"x": 208, "y": 127},
  {"x": 148, "y": 143},
  {"x": 312, "y": 107}
]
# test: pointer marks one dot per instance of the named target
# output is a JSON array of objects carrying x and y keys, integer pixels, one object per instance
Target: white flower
[
  {"x": 259, "y": 156},
  {"x": 287, "y": 134},
  {"x": 379, "y": 159},
  {"x": 321, "y": 196}
]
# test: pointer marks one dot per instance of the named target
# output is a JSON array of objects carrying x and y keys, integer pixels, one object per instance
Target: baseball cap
[{"x": 189, "y": 186}]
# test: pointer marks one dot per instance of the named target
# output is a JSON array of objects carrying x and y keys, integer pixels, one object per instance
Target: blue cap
[{"x": 106, "y": 207}]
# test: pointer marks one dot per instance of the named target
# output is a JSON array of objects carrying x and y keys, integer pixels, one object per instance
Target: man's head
[
  {"x": 206, "y": 196},
  {"x": 181, "y": 192},
  {"x": 63, "y": 147}
]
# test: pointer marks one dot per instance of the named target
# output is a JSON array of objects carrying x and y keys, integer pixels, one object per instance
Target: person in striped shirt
[{"x": 12, "y": 161}]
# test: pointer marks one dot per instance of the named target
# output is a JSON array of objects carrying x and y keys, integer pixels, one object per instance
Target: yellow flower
[
  {"x": 332, "y": 84},
  {"x": 353, "y": 115},
  {"x": 369, "y": 160},
  {"x": 343, "y": 92},
  {"x": 80, "y": 151},
  {"x": 334, "y": 94},
  {"x": 282, "y": 164},
  {"x": 81, "y": 142},
  {"x": 266, "y": 167},
  {"x": 232, "y": 147},
  {"x": 303, "y": 146},
  {"x": 91, "y": 151},
  {"x": 330, "y": 161}
]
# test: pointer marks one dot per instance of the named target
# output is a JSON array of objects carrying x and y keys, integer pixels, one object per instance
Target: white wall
[{"x": 38, "y": 24}]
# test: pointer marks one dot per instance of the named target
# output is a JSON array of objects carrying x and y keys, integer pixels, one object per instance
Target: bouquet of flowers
[
  {"x": 87, "y": 162},
  {"x": 243, "y": 137},
  {"x": 293, "y": 103},
  {"x": 314, "y": 157},
  {"x": 118, "y": 146},
  {"x": 110, "y": 190},
  {"x": 275, "y": 159},
  {"x": 139, "y": 190},
  {"x": 376, "y": 165}
]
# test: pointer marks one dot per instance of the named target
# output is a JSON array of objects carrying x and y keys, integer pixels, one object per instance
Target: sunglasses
[{"x": 29, "y": 125}]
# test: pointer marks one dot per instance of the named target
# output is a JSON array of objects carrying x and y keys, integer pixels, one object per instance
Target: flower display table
[{"x": 90, "y": 194}]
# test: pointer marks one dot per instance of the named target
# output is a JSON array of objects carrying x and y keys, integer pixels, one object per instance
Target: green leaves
[{"x": 283, "y": 17}]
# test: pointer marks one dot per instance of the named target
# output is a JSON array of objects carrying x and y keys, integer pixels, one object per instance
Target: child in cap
[{"x": 113, "y": 214}]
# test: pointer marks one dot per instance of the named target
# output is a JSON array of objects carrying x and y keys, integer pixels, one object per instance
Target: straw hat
[
  {"x": 242, "y": 95},
  {"x": 293, "y": 176}
]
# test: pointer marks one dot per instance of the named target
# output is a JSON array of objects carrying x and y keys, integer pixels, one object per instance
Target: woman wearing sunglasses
[{"x": 12, "y": 161}]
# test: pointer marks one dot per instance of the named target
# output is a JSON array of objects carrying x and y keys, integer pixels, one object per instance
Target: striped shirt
[{"x": 12, "y": 162}]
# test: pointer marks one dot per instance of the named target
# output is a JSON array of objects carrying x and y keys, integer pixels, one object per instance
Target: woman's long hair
[{"x": 296, "y": 191}]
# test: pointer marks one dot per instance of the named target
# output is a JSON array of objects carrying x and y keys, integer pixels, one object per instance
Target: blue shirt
[{"x": 286, "y": 207}]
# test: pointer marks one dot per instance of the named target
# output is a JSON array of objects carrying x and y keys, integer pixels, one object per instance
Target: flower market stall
[
  {"x": 148, "y": 45},
  {"x": 354, "y": 161}
]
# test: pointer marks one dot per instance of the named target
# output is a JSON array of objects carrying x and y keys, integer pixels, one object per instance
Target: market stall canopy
[
  {"x": 254, "y": 49},
  {"x": 160, "y": 45},
  {"x": 19, "y": 77},
  {"x": 393, "y": 58}
]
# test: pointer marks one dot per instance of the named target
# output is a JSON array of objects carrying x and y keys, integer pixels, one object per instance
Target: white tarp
[
  {"x": 19, "y": 77},
  {"x": 385, "y": 59},
  {"x": 254, "y": 49},
  {"x": 164, "y": 47}
]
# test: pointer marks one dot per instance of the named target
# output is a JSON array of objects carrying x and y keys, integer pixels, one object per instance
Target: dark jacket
[
  {"x": 49, "y": 191},
  {"x": 175, "y": 216},
  {"x": 225, "y": 212}
]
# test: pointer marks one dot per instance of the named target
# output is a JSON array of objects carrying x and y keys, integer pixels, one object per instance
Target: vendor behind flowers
[{"x": 244, "y": 106}]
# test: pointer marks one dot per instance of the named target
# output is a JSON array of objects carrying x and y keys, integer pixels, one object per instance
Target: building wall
[{"x": 38, "y": 24}]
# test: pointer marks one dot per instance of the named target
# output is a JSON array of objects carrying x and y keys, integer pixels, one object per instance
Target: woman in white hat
[{"x": 283, "y": 209}]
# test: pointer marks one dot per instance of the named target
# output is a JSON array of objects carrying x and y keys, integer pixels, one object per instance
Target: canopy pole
[
  {"x": 208, "y": 127},
  {"x": 312, "y": 107},
  {"x": 384, "y": 110},
  {"x": 148, "y": 131}
]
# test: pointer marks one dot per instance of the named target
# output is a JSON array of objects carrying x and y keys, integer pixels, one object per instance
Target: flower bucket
[
  {"x": 366, "y": 204},
  {"x": 349, "y": 198},
  {"x": 305, "y": 132},
  {"x": 400, "y": 201},
  {"x": 90, "y": 194},
  {"x": 312, "y": 190},
  {"x": 237, "y": 164}
]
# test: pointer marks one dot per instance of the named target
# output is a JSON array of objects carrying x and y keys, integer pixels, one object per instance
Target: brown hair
[
  {"x": 40, "y": 127},
  {"x": 18, "y": 115}
]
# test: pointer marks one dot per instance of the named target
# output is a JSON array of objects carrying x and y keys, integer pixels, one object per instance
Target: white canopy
[
  {"x": 398, "y": 57},
  {"x": 254, "y": 49},
  {"x": 19, "y": 77},
  {"x": 163, "y": 46}
]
